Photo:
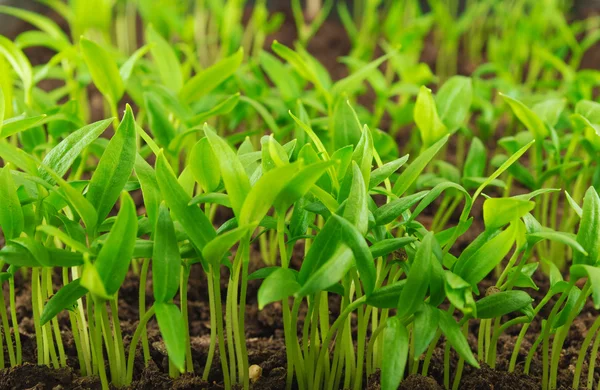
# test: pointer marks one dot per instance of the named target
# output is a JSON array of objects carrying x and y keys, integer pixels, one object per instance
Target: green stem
[
  {"x": 461, "y": 362},
  {"x": 183, "y": 297},
  {"x": 216, "y": 279},
  {"x": 142, "y": 308},
  {"x": 229, "y": 328},
  {"x": 98, "y": 345},
  {"x": 523, "y": 332},
  {"x": 583, "y": 352},
  {"x": 59, "y": 344},
  {"x": 119, "y": 346},
  {"x": 325, "y": 346},
  {"x": 497, "y": 332},
  {"x": 213, "y": 325},
  {"x": 592, "y": 362},
  {"x": 35, "y": 286},
  {"x": 15, "y": 320},
  {"x": 561, "y": 335},
  {"x": 6, "y": 326},
  {"x": 139, "y": 331},
  {"x": 109, "y": 342}
]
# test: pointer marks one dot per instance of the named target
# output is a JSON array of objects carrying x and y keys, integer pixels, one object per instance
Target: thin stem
[
  {"x": 139, "y": 330},
  {"x": 583, "y": 352},
  {"x": 120, "y": 348},
  {"x": 15, "y": 321},
  {"x": 339, "y": 321},
  {"x": 497, "y": 332},
  {"x": 183, "y": 297},
  {"x": 35, "y": 283},
  {"x": 592, "y": 362},
  {"x": 98, "y": 346},
  {"x": 213, "y": 326},
  {"x": 142, "y": 308},
  {"x": 216, "y": 278},
  {"x": 6, "y": 326}
]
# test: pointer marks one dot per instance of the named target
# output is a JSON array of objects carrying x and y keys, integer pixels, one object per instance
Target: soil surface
[{"x": 264, "y": 329}]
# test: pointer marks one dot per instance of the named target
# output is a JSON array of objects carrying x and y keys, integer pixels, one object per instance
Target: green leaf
[
  {"x": 272, "y": 153},
  {"x": 345, "y": 128},
  {"x": 579, "y": 271},
  {"x": 65, "y": 298},
  {"x": 588, "y": 234},
  {"x": 12, "y": 221},
  {"x": 501, "y": 303},
  {"x": 280, "y": 75},
  {"x": 18, "y": 124},
  {"x": 564, "y": 238},
  {"x": 126, "y": 70},
  {"x": 434, "y": 194},
  {"x": 417, "y": 280},
  {"x": 574, "y": 205},
  {"x": 37, "y": 250},
  {"x": 203, "y": 164},
  {"x": 192, "y": 219},
  {"x": 212, "y": 197},
  {"x": 425, "y": 327},
  {"x": 216, "y": 249},
  {"x": 234, "y": 176},
  {"x": 392, "y": 210},
  {"x": 43, "y": 23},
  {"x": 84, "y": 208},
  {"x": 113, "y": 259},
  {"x": 263, "y": 194},
  {"x": 395, "y": 353},
  {"x": 570, "y": 305},
  {"x": 300, "y": 184},
  {"x": 172, "y": 329},
  {"x": 166, "y": 60},
  {"x": 329, "y": 273},
  {"x": 474, "y": 267},
  {"x": 64, "y": 237},
  {"x": 413, "y": 171},
  {"x": 348, "y": 83},
  {"x": 297, "y": 62},
  {"x": 103, "y": 69},
  {"x": 211, "y": 77},
  {"x": 166, "y": 261},
  {"x": 62, "y": 156},
  {"x": 150, "y": 190},
  {"x": 2, "y": 109},
  {"x": 387, "y": 246},
  {"x": 498, "y": 212},
  {"x": 279, "y": 285},
  {"x": 532, "y": 122},
  {"x": 385, "y": 171},
  {"x": 352, "y": 237},
  {"x": 386, "y": 297},
  {"x": 476, "y": 159},
  {"x": 503, "y": 168},
  {"x": 222, "y": 108},
  {"x": 453, "y": 101},
  {"x": 549, "y": 110},
  {"x": 18, "y": 61},
  {"x": 356, "y": 210},
  {"x": 158, "y": 120},
  {"x": 363, "y": 154},
  {"x": 426, "y": 117},
  {"x": 114, "y": 168},
  {"x": 456, "y": 338}
]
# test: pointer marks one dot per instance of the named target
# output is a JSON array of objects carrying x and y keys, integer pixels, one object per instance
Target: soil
[{"x": 264, "y": 329}]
